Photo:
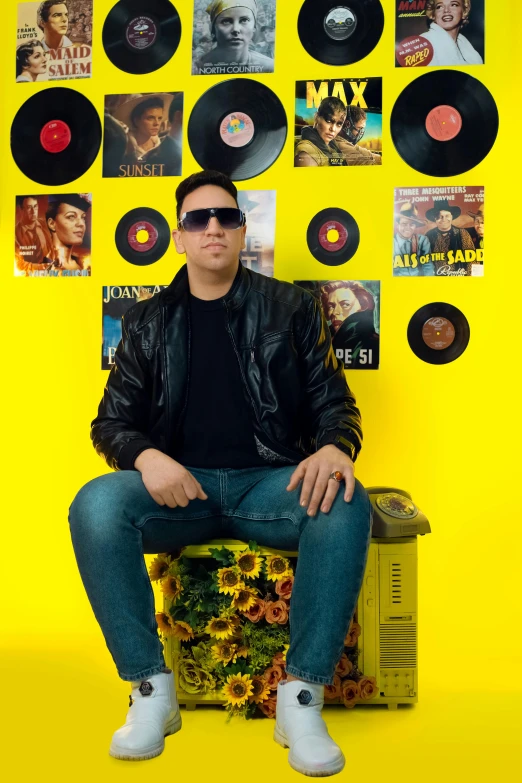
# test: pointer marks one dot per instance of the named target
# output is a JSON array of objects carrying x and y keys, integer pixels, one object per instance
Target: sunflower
[
  {"x": 237, "y": 689},
  {"x": 224, "y": 651},
  {"x": 164, "y": 623},
  {"x": 278, "y": 567},
  {"x": 285, "y": 650},
  {"x": 171, "y": 587},
  {"x": 249, "y": 563},
  {"x": 244, "y": 598},
  {"x": 221, "y": 627},
  {"x": 229, "y": 580},
  {"x": 260, "y": 689},
  {"x": 182, "y": 630},
  {"x": 159, "y": 567}
]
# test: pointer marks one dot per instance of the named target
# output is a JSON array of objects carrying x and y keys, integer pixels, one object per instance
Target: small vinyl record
[
  {"x": 333, "y": 236},
  {"x": 438, "y": 333},
  {"x": 340, "y": 33},
  {"x": 444, "y": 123},
  {"x": 55, "y": 136},
  {"x": 238, "y": 127},
  {"x": 140, "y": 36},
  {"x": 142, "y": 236}
]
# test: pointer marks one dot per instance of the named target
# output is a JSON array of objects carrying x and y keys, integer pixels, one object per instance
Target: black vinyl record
[
  {"x": 142, "y": 236},
  {"x": 444, "y": 123},
  {"x": 55, "y": 136},
  {"x": 438, "y": 333},
  {"x": 340, "y": 33},
  {"x": 140, "y": 36},
  {"x": 336, "y": 249},
  {"x": 238, "y": 127}
]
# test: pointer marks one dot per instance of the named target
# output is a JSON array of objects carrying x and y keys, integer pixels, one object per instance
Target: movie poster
[
  {"x": 117, "y": 299},
  {"x": 54, "y": 41},
  {"x": 439, "y": 232},
  {"x": 233, "y": 37},
  {"x": 143, "y": 135},
  {"x": 53, "y": 235},
  {"x": 352, "y": 312},
  {"x": 260, "y": 209},
  {"x": 439, "y": 32},
  {"x": 338, "y": 122}
]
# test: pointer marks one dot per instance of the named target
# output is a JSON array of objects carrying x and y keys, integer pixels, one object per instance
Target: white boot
[
  {"x": 153, "y": 714},
  {"x": 300, "y": 727}
]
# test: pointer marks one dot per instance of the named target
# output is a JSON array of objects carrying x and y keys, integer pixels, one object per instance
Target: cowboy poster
[
  {"x": 233, "y": 37},
  {"x": 54, "y": 41},
  {"x": 439, "y": 33},
  {"x": 352, "y": 313},
  {"x": 439, "y": 232},
  {"x": 338, "y": 122},
  {"x": 143, "y": 135},
  {"x": 117, "y": 299}
]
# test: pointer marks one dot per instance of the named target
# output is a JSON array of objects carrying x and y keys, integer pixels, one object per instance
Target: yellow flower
[
  {"x": 224, "y": 651},
  {"x": 249, "y": 563},
  {"x": 182, "y": 630},
  {"x": 285, "y": 650},
  {"x": 260, "y": 689},
  {"x": 237, "y": 689},
  {"x": 229, "y": 580},
  {"x": 171, "y": 587},
  {"x": 221, "y": 627},
  {"x": 278, "y": 567},
  {"x": 158, "y": 568},
  {"x": 164, "y": 623},
  {"x": 244, "y": 598}
]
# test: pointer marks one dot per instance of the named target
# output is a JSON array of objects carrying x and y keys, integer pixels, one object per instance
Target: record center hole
[
  {"x": 332, "y": 235},
  {"x": 142, "y": 236}
]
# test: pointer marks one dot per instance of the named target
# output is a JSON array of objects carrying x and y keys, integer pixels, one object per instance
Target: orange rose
[
  {"x": 279, "y": 660},
  {"x": 256, "y": 611},
  {"x": 353, "y": 634},
  {"x": 344, "y": 666},
  {"x": 333, "y": 691},
  {"x": 272, "y": 675},
  {"x": 276, "y": 612},
  {"x": 350, "y": 693},
  {"x": 367, "y": 687},
  {"x": 268, "y": 707},
  {"x": 284, "y": 586}
]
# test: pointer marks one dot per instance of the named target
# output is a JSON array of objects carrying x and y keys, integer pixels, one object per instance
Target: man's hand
[{"x": 316, "y": 471}]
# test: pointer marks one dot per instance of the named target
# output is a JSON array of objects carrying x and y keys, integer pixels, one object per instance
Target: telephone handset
[{"x": 395, "y": 515}]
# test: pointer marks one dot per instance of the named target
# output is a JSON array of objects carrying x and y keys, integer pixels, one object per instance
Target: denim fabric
[{"x": 114, "y": 521}]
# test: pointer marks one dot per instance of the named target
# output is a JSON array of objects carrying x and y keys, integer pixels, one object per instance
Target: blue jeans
[{"x": 114, "y": 521}]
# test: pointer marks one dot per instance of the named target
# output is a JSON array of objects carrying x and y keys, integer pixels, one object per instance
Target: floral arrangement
[{"x": 238, "y": 613}]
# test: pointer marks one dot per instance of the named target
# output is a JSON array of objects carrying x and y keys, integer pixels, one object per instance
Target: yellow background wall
[{"x": 448, "y": 434}]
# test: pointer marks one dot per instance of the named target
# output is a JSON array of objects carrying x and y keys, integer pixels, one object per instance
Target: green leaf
[{"x": 253, "y": 545}]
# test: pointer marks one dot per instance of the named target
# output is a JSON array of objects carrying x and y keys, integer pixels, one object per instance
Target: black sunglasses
[{"x": 198, "y": 219}]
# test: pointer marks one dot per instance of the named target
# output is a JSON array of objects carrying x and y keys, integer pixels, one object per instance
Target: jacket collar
[{"x": 179, "y": 289}]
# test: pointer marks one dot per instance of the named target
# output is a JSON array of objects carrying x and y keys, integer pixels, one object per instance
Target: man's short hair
[
  {"x": 200, "y": 178},
  {"x": 44, "y": 9},
  {"x": 176, "y": 104}
]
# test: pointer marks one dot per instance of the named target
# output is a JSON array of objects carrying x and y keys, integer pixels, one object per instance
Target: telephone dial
[{"x": 395, "y": 515}]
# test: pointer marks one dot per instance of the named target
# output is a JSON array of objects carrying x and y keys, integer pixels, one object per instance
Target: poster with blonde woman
[{"x": 439, "y": 33}]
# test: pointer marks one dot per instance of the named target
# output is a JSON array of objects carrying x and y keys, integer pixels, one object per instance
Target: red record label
[
  {"x": 55, "y": 136},
  {"x": 144, "y": 242},
  {"x": 443, "y": 123},
  {"x": 414, "y": 51},
  {"x": 339, "y": 242}
]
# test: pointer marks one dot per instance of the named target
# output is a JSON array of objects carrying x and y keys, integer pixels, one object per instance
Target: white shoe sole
[
  {"x": 171, "y": 727},
  {"x": 331, "y": 769}
]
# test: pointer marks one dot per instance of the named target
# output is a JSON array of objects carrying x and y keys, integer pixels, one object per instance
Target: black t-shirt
[{"x": 216, "y": 431}]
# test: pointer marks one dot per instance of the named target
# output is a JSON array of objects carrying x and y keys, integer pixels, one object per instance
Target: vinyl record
[
  {"x": 438, "y": 333},
  {"x": 340, "y": 33},
  {"x": 444, "y": 123},
  {"x": 55, "y": 136},
  {"x": 142, "y": 236},
  {"x": 333, "y": 236},
  {"x": 238, "y": 127},
  {"x": 140, "y": 36}
]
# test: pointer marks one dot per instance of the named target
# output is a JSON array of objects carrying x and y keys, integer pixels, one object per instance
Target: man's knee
[{"x": 101, "y": 498}]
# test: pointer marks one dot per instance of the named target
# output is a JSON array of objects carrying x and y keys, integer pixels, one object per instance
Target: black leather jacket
[{"x": 296, "y": 386}]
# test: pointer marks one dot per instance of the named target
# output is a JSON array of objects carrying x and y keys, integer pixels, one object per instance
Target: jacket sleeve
[
  {"x": 330, "y": 405},
  {"x": 118, "y": 432}
]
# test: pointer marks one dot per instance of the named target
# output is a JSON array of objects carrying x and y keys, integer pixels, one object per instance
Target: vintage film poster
[
  {"x": 352, "y": 312},
  {"x": 143, "y": 135},
  {"x": 439, "y": 32},
  {"x": 439, "y": 232},
  {"x": 233, "y": 37},
  {"x": 53, "y": 235},
  {"x": 117, "y": 299},
  {"x": 259, "y": 207},
  {"x": 54, "y": 41},
  {"x": 338, "y": 122}
]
